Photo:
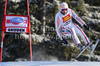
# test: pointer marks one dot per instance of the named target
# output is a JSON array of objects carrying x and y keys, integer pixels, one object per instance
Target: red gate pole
[
  {"x": 30, "y": 46},
  {"x": 27, "y": 7},
  {"x": 1, "y": 46},
  {"x": 29, "y": 32},
  {"x": 3, "y": 33},
  {"x": 5, "y": 7}
]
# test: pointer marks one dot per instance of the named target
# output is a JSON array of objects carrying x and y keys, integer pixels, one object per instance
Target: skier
[{"x": 64, "y": 25}]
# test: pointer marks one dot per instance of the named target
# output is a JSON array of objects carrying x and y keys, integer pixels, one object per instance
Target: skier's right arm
[{"x": 57, "y": 26}]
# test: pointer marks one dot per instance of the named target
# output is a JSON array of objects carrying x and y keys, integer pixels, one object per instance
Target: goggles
[{"x": 64, "y": 9}]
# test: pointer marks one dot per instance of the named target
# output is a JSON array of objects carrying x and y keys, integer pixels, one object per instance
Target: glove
[
  {"x": 87, "y": 27},
  {"x": 64, "y": 42}
]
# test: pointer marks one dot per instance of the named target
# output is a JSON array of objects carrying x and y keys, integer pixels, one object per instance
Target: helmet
[{"x": 63, "y": 5}]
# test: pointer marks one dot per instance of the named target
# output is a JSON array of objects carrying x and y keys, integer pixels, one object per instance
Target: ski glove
[
  {"x": 64, "y": 42},
  {"x": 87, "y": 27}
]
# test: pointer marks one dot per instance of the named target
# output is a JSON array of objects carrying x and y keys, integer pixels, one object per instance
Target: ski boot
[
  {"x": 81, "y": 47},
  {"x": 64, "y": 42}
]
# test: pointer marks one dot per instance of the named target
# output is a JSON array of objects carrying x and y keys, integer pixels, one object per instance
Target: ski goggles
[{"x": 64, "y": 9}]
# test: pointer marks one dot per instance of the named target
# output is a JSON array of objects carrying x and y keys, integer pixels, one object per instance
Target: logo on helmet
[{"x": 61, "y": 6}]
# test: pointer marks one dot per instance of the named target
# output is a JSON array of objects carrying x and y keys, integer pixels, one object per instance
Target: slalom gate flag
[{"x": 16, "y": 24}]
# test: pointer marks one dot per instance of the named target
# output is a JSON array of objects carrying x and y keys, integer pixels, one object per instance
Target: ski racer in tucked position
[{"x": 64, "y": 25}]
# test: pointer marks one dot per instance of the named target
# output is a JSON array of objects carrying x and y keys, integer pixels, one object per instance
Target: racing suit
[{"x": 64, "y": 25}]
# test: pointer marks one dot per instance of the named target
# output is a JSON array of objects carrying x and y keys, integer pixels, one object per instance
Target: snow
[
  {"x": 15, "y": 0},
  {"x": 50, "y": 63}
]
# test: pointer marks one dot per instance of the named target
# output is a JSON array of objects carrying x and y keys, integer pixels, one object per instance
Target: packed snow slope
[{"x": 50, "y": 63}]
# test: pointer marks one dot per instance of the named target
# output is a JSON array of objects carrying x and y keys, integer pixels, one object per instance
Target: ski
[
  {"x": 84, "y": 49},
  {"x": 94, "y": 48}
]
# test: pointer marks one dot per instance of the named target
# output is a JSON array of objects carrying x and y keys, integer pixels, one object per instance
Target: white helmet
[{"x": 63, "y": 5}]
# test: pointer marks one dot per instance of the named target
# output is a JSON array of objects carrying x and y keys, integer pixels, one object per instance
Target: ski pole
[{"x": 94, "y": 34}]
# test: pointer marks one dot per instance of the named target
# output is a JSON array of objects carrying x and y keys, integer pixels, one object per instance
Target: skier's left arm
[{"x": 79, "y": 20}]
